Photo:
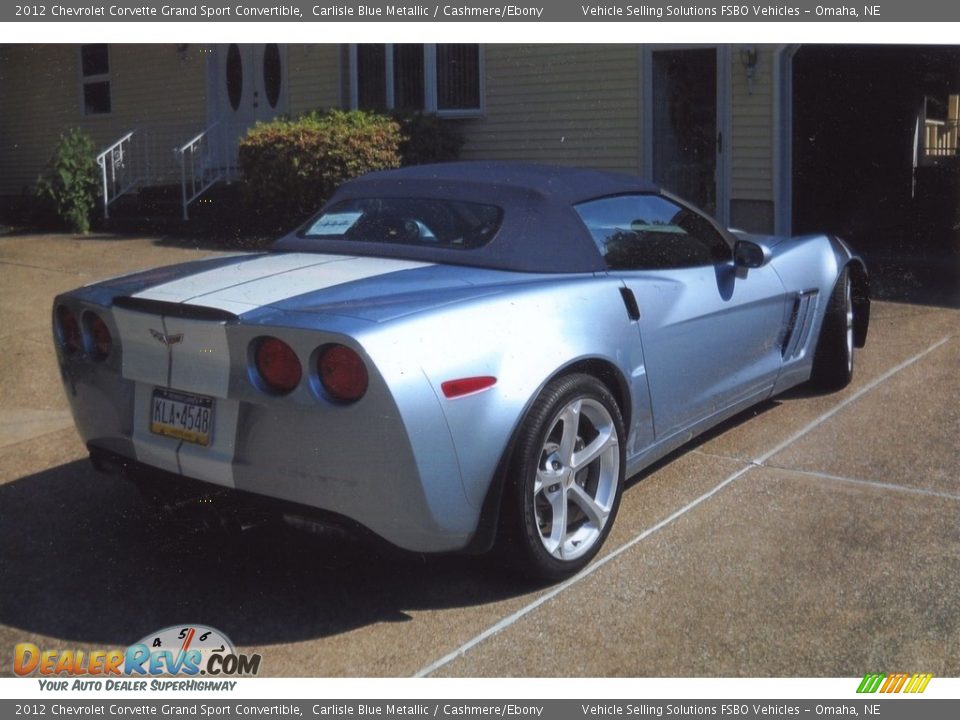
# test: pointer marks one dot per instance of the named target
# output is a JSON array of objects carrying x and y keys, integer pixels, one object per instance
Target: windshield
[{"x": 409, "y": 221}]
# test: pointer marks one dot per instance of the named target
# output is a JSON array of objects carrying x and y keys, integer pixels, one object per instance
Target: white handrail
[
  {"x": 102, "y": 156},
  {"x": 127, "y": 163},
  {"x": 116, "y": 174},
  {"x": 199, "y": 177},
  {"x": 194, "y": 140}
]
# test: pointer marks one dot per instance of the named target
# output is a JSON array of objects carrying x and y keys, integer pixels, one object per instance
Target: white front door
[{"x": 248, "y": 86}]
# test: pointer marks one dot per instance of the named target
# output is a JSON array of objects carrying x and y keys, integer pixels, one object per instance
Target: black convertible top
[{"x": 540, "y": 231}]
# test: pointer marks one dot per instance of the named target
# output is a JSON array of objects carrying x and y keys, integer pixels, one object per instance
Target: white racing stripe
[
  {"x": 220, "y": 278},
  {"x": 200, "y": 363},
  {"x": 215, "y": 462},
  {"x": 152, "y": 449},
  {"x": 199, "y": 360},
  {"x": 144, "y": 358},
  {"x": 267, "y": 279}
]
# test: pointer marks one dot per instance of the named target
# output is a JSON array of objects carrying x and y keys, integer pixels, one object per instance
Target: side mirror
[{"x": 748, "y": 254}]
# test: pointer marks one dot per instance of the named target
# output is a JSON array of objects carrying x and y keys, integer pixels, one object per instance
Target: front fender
[
  {"x": 814, "y": 263},
  {"x": 861, "y": 289}
]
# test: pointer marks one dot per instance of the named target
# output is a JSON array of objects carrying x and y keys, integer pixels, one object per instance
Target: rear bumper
[
  {"x": 250, "y": 501},
  {"x": 195, "y": 499}
]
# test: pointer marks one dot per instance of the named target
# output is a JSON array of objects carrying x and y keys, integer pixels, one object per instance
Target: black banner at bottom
[{"x": 868, "y": 706}]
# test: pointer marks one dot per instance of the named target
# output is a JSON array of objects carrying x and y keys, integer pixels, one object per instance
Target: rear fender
[
  {"x": 486, "y": 533},
  {"x": 551, "y": 327}
]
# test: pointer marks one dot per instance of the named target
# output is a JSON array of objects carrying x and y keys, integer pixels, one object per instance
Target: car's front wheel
[{"x": 567, "y": 476}]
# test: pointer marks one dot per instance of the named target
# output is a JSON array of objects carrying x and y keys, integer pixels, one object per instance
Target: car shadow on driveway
[{"x": 86, "y": 559}]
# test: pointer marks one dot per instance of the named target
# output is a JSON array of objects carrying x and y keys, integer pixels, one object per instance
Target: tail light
[
  {"x": 99, "y": 336},
  {"x": 342, "y": 373},
  {"x": 68, "y": 329},
  {"x": 277, "y": 365}
]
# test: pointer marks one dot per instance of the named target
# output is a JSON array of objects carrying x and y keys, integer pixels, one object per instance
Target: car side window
[{"x": 650, "y": 232}]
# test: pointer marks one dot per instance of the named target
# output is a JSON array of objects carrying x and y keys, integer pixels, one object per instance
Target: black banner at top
[{"x": 492, "y": 11}]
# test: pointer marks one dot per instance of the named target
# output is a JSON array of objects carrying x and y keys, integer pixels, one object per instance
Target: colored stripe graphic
[
  {"x": 894, "y": 683},
  {"x": 919, "y": 683},
  {"x": 870, "y": 683}
]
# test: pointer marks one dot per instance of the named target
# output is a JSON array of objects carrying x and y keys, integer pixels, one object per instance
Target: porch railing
[
  {"x": 119, "y": 169},
  {"x": 202, "y": 164},
  {"x": 141, "y": 158},
  {"x": 941, "y": 137}
]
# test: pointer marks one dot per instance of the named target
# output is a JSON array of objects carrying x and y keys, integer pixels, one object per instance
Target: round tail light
[
  {"x": 100, "y": 339},
  {"x": 342, "y": 373},
  {"x": 277, "y": 364},
  {"x": 68, "y": 329}
]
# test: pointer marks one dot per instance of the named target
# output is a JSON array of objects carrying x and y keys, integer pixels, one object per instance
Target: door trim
[
  {"x": 783, "y": 138},
  {"x": 724, "y": 118}
]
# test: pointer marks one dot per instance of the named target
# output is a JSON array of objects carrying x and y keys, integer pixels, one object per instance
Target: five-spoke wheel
[{"x": 567, "y": 476}]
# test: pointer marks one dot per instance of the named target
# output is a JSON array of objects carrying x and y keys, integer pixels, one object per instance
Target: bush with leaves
[
  {"x": 70, "y": 184},
  {"x": 427, "y": 138},
  {"x": 290, "y": 167}
]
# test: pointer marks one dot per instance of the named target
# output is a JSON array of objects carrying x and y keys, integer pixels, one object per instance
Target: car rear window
[{"x": 428, "y": 222}]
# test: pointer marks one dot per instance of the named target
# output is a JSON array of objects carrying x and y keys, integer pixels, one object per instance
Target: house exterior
[{"x": 713, "y": 123}]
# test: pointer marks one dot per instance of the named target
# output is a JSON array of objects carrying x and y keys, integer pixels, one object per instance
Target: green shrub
[
  {"x": 290, "y": 167},
  {"x": 70, "y": 184},
  {"x": 427, "y": 138}
]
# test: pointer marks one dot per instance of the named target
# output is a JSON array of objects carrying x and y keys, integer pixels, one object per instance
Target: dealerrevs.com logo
[{"x": 179, "y": 650}]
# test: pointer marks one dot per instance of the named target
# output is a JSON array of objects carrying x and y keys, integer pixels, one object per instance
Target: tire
[
  {"x": 833, "y": 359},
  {"x": 560, "y": 505}
]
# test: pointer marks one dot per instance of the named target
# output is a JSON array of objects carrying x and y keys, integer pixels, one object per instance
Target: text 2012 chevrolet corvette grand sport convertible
[{"x": 459, "y": 355}]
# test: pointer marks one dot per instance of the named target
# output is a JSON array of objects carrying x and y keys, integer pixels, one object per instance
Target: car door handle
[{"x": 630, "y": 302}]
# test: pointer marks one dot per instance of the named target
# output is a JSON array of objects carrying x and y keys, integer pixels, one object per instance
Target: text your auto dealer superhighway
[{"x": 175, "y": 11}]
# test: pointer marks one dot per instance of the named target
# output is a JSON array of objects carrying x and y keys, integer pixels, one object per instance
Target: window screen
[{"x": 442, "y": 78}]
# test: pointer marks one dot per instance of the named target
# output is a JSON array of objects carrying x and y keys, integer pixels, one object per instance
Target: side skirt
[{"x": 667, "y": 445}]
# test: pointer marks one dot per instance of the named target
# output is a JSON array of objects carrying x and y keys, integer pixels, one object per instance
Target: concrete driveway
[{"x": 812, "y": 536}]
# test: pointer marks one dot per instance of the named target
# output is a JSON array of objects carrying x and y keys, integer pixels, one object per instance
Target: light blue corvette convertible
[{"x": 455, "y": 357}]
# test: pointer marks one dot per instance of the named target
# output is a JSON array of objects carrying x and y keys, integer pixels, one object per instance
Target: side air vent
[
  {"x": 798, "y": 326},
  {"x": 630, "y": 302},
  {"x": 172, "y": 309}
]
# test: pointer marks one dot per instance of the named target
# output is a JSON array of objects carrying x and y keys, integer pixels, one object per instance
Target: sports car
[{"x": 456, "y": 357}]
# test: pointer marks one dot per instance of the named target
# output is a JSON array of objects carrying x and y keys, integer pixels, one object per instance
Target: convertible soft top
[{"x": 540, "y": 231}]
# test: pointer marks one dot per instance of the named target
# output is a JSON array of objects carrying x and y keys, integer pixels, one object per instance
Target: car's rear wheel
[
  {"x": 567, "y": 475},
  {"x": 833, "y": 359}
]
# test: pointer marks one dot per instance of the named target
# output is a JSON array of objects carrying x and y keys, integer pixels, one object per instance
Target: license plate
[{"x": 182, "y": 415}]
